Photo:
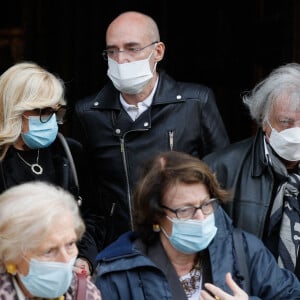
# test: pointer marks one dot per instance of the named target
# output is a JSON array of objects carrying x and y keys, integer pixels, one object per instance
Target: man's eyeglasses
[
  {"x": 46, "y": 113},
  {"x": 132, "y": 51},
  {"x": 188, "y": 212}
]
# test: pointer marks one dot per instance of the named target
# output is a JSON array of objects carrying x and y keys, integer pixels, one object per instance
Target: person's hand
[
  {"x": 82, "y": 266},
  {"x": 219, "y": 294}
]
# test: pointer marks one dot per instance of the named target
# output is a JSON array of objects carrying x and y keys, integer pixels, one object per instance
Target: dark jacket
[
  {"x": 128, "y": 271},
  {"x": 243, "y": 168},
  {"x": 182, "y": 117}
]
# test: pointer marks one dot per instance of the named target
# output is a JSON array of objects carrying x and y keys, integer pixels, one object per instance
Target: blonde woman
[{"x": 31, "y": 106}]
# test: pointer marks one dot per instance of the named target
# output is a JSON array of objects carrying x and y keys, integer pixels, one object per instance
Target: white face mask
[
  {"x": 286, "y": 143},
  {"x": 131, "y": 77}
]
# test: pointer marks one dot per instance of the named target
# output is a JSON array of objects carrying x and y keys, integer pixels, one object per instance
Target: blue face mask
[
  {"x": 192, "y": 236},
  {"x": 40, "y": 135},
  {"x": 48, "y": 279}
]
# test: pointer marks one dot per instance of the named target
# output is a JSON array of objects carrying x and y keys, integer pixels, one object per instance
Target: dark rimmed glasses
[
  {"x": 46, "y": 113},
  {"x": 132, "y": 51},
  {"x": 188, "y": 212}
]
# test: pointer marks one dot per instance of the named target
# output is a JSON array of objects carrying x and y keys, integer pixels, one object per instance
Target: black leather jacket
[
  {"x": 182, "y": 117},
  {"x": 242, "y": 167}
]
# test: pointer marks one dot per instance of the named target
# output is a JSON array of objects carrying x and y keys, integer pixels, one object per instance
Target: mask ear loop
[
  {"x": 154, "y": 67},
  {"x": 164, "y": 232},
  {"x": 268, "y": 124}
]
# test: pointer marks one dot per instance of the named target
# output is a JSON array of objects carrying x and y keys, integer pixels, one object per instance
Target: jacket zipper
[
  {"x": 171, "y": 139},
  {"x": 122, "y": 149},
  {"x": 122, "y": 145}
]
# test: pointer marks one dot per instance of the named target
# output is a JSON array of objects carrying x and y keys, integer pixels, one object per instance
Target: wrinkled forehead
[
  {"x": 281, "y": 102},
  {"x": 288, "y": 103}
]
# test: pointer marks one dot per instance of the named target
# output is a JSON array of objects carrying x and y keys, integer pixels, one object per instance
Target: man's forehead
[{"x": 286, "y": 102}]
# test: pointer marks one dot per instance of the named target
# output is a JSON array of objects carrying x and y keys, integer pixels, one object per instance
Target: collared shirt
[{"x": 134, "y": 111}]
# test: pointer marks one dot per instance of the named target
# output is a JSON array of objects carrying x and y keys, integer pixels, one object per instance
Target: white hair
[
  {"x": 27, "y": 213},
  {"x": 283, "y": 82}
]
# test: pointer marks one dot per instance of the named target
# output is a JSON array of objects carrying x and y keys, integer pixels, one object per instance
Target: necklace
[{"x": 35, "y": 168}]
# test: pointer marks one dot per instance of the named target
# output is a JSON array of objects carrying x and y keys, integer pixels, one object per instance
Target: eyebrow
[
  {"x": 188, "y": 203},
  {"x": 130, "y": 44}
]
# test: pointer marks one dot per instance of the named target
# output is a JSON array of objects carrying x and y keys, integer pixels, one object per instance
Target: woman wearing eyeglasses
[
  {"x": 32, "y": 105},
  {"x": 182, "y": 247}
]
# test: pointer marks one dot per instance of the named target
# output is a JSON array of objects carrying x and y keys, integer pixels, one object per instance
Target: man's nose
[{"x": 122, "y": 57}]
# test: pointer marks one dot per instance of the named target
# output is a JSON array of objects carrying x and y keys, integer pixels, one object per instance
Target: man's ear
[
  {"x": 159, "y": 51},
  {"x": 264, "y": 126},
  {"x": 266, "y": 129}
]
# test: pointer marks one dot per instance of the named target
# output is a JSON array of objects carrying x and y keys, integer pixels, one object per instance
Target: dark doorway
[{"x": 227, "y": 45}]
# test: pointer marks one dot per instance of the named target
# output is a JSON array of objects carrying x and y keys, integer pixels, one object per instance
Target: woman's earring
[
  {"x": 11, "y": 268},
  {"x": 156, "y": 228}
]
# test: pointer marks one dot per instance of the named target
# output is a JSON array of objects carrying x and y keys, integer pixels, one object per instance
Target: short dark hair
[{"x": 163, "y": 171}]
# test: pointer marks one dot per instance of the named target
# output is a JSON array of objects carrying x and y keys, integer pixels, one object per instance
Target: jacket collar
[
  {"x": 158, "y": 255},
  {"x": 259, "y": 161},
  {"x": 122, "y": 246},
  {"x": 167, "y": 92}
]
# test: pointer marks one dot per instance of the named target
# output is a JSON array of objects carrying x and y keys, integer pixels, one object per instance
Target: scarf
[{"x": 286, "y": 211}]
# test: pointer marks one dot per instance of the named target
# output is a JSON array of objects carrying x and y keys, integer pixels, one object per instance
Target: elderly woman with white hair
[{"x": 39, "y": 227}]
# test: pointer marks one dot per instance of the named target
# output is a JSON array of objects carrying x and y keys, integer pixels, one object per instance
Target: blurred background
[{"x": 228, "y": 45}]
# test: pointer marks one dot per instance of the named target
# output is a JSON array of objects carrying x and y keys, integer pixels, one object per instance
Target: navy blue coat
[{"x": 126, "y": 273}]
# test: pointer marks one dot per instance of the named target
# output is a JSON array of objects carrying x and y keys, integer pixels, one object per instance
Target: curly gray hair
[{"x": 283, "y": 82}]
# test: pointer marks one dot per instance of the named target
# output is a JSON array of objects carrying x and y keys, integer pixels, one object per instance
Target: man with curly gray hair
[{"x": 263, "y": 171}]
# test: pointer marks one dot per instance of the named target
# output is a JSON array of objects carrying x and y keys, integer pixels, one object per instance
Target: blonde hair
[
  {"x": 27, "y": 213},
  {"x": 25, "y": 86}
]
